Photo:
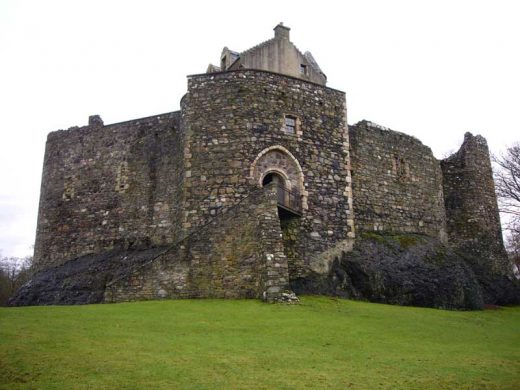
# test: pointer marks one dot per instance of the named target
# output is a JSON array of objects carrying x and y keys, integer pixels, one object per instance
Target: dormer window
[
  {"x": 290, "y": 124},
  {"x": 303, "y": 69}
]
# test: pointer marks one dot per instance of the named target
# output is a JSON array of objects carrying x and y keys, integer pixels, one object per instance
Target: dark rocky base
[
  {"x": 81, "y": 280},
  {"x": 410, "y": 270}
]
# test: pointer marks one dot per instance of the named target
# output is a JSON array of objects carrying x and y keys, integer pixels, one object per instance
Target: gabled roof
[
  {"x": 286, "y": 58},
  {"x": 312, "y": 61},
  {"x": 256, "y": 47}
]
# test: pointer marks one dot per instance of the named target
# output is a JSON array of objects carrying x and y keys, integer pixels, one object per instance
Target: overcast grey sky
[{"x": 432, "y": 69}]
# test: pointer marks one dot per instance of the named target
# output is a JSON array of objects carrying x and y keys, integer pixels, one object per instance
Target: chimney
[
  {"x": 281, "y": 32},
  {"x": 95, "y": 121}
]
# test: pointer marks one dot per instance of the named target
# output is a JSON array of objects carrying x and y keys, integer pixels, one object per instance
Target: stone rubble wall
[
  {"x": 237, "y": 254},
  {"x": 147, "y": 182},
  {"x": 109, "y": 186},
  {"x": 231, "y": 118},
  {"x": 473, "y": 220},
  {"x": 396, "y": 183}
]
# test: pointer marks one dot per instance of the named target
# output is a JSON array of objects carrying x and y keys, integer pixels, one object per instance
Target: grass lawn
[{"x": 242, "y": 344}]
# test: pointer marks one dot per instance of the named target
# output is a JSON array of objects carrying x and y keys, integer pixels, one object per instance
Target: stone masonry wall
[
  {"x": 471, "y": 205},
  {"x": 238, "y": 254},
  {"x": 109, "y": 186},
  {"x": 397, "y": 182},
  {"x": 232, "y": 118}
]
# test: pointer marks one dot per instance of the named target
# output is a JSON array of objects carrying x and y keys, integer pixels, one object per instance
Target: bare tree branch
[{"x": 507, "y": 184}]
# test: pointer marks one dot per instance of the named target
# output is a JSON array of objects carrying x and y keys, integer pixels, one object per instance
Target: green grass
[{"x": 233, "y": 344}]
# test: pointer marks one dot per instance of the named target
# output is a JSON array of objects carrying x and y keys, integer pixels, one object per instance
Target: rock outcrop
[
  {"x": 410, "y": 270},
  {"x": 81, "y": 280}
]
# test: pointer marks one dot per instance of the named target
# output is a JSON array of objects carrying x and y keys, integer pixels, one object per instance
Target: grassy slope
[{"x": 322, "y": 343}]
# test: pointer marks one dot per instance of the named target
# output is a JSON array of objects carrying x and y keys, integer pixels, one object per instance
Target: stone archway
[
  {"x": 281, "y": 183},
  {"x": 278, "y": 160},
  {"x": 277, "y": 164}
]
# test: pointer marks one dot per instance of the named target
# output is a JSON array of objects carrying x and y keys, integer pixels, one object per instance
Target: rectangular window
[
  {"x": 290, "y": 124},
  {"x": 303, "y": 69}
]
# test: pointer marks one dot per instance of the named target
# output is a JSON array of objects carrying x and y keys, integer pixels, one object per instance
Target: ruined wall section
[
  {"x": 230, "y": 118},
  {"x": 108, "y": 186},
  {"x": 471, "y": 205},
  {"x": 238, "y": 254},
  {"x": 397, "y": 182}
]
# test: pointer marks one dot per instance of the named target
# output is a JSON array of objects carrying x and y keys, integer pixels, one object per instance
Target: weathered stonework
[
  {"x": 236, "y": 254},
  {"x": 233, "y": 125},
  {"x": 397, "y": 183},
  {"x": 471, "y": 206},
  {"x": 256, "y": 186},
  {"x": 101, "y": 188}
]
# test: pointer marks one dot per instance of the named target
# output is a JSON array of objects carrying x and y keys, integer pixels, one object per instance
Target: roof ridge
[{"x": 262, "y": 44}]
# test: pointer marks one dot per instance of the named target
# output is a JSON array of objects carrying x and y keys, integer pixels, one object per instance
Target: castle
[{"x": 256, "y": 182}]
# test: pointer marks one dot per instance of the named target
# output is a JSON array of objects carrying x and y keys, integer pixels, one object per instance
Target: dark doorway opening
[
  {"x": 289, "y": 212},
  {"x": 289, "y": 202}
]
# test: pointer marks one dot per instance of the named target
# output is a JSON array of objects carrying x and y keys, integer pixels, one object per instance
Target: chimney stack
[{"x": 281, "y": 32}]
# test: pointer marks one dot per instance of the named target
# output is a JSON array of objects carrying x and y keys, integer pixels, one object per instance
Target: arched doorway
[
  {"x": 277, "y": 180},
  {"x": 276, "y": 163}
]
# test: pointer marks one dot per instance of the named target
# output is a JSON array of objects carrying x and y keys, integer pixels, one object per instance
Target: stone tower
[
  {"x": 473, "y": 220},
  {"x": 267, "y": 118}
]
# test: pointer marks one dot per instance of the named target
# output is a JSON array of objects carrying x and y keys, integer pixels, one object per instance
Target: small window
[
  {"x": 122, "y": 174},
  {"x": 290, "y": 124},
  {"x": 68, "y": 189},
  {"x": 401, "y": 168},
  {"x": 303, "y": 69}
]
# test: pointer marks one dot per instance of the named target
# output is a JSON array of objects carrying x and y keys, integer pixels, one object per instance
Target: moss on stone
[
  {"x": 406, "y": 240},
  {"x": 403, "y": 241},
  {"x": 373, "y": 236}
]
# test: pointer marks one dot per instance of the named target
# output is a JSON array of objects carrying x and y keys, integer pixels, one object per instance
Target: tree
[
  {"x": 507, "y": 182},
  {"x": 14, "y": 272}
]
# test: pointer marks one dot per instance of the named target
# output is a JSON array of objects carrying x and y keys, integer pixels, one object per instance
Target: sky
[{"x": 431, "y": 69}]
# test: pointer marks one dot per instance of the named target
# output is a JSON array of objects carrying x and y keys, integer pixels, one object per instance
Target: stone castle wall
[
  {"x": 238, "y": 254},
  {"x": 192, "y": 179},
  {"x": 234, "y": 128},
  {"x": 396, "y": 182},
  {"x": 473, "y": 220},
  {"x": 109, "y": 186}
]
